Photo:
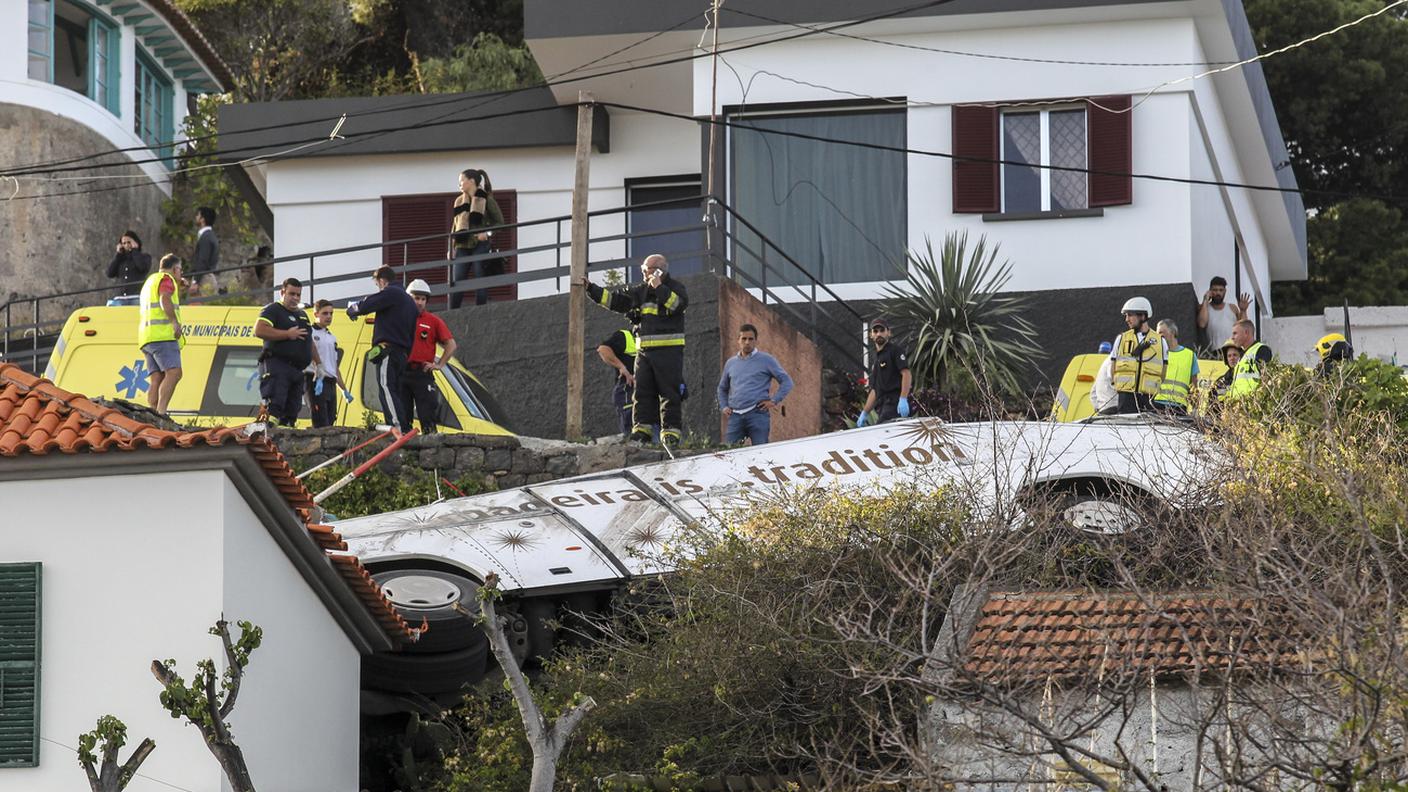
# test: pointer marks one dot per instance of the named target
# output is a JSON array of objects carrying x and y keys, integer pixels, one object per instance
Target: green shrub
[{"x": 375, "y": 491}]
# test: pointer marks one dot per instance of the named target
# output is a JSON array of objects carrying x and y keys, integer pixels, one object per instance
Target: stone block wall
[{"x": 505, "y": 461}]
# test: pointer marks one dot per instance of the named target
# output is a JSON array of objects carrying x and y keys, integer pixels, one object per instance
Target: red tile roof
[
  {"x": 1104, "y": 635},
  {"x": 37, "y": 418}
]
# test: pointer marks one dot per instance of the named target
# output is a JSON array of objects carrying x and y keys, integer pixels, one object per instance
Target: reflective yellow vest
[
  {"x": 1139, "y": 370},
  {"x": 631, "y": 346},
  {"x": 1178, "y": 378},
  {"x": 154, "y": 326},
  {"x": 1247, "y": 376}
]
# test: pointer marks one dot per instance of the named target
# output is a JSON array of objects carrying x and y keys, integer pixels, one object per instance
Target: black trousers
[
  {"x": 659, "y": 378},
  {"x": 421, "y": 398},
  {"x": 465, "y": 270},
  {"x": 390, "y": 368},
  {"x": 281, "y": 389},
  {"x": 323, "y": 408},
  {"x": 621, "y": 397},
  {"x": 887, "y": 406},
  {"x": 1135, "y": 402}
]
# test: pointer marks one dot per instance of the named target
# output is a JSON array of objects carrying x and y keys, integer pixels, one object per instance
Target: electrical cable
[
  {"x": 999, "y": 161},
  {"x": 25, "y": 170}
]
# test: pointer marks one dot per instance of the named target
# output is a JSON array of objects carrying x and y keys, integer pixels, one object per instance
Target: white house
[
  {"x": 122, "y": 544},
  {"x": 840, "y": 147},
  {"x": 84, "y": 85}
]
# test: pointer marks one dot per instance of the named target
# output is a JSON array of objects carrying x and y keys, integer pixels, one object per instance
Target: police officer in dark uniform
[
  {"x": 659, "y": 369},
  {"x": 890, "y": 379},
  {"x": 288, "y": 349},
  {"x": 392, "y": 336}
]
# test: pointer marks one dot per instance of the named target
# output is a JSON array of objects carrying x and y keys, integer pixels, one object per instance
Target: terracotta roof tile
[
  {"x": 38, "y": 418},
  {"x": 1035, "y": 636}
]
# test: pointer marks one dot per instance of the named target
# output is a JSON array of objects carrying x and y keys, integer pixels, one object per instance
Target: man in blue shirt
[
  {"x": 392, "y": 335},
  {"x": 744, "y": 389}
]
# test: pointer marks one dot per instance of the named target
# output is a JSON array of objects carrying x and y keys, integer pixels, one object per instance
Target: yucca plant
[{"x": 962, "y": 330}]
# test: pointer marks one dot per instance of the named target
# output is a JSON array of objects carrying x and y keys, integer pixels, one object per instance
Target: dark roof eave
[{"x": 182, "y": 24}]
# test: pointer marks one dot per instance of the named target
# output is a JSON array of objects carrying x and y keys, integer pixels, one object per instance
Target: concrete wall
[
  {"x": 1380, "y": 332},
  {"x": 517, "y": 350},
  {"x": 297, "y": 714},
  {"x": 122, "y": 586},
  {"x": 799, "y": 357},
  {"x": 60, "y": 244},
  {"x": 126, "y": 583}
]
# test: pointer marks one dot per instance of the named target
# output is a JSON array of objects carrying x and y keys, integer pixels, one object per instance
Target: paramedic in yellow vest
[
  {"x": 159, "y": 333},
  {"x": 1139, "y": 356},
  {"x": 1247, "y": 376},
  {"x": 619, "y": 352},
  {"x": 1181, "y": 374}
]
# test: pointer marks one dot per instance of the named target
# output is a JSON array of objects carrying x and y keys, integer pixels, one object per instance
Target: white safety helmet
[
  {"x": 418, "y": 286},
  {"x": 1137, "y": 305}
]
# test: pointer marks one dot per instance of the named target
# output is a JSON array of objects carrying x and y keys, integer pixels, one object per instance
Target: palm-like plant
[{"x": 961, "y": 326}]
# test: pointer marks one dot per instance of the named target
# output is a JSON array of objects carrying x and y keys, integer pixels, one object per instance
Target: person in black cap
[{"x": 889, "y": 380}]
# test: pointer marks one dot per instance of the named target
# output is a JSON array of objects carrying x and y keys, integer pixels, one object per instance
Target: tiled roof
[
  {"x": 37, "y": 418},
  {"x": 187, "y": 29},
  {"x": 1106, "y": 635}
]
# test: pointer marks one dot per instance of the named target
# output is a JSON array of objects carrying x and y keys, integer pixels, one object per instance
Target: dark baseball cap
[{"x": 880, "y": 322}]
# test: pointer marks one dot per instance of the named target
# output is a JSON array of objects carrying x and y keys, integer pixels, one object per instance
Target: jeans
[
  {"x": 464, "y": 270},
  {"x": 754, "y": 425}
]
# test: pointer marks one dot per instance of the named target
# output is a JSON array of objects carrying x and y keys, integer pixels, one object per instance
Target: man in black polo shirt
[
  {"x": 392, "y": 336},
  {"x": 288, "y": 348},
  {"x": 890, "y": 379}
]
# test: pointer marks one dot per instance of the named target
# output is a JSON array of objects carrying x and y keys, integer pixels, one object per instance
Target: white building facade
[{"x": 840, "y": 146}]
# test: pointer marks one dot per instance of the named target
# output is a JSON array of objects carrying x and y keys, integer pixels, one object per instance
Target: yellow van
[
  {"x": 1073, "y": 398},
  {"x": 97, "y": 355}
]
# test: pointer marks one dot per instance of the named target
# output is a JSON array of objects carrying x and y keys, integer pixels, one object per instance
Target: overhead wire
[{"x": 26, "y": 170}]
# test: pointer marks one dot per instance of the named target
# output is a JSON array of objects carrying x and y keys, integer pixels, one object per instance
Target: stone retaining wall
[{"x": 507, "y": 461}]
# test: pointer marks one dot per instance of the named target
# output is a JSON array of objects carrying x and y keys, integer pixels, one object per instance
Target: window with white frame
[
  {"x": 1036, "y": 143},
  {"x": 74, "y": 46}
]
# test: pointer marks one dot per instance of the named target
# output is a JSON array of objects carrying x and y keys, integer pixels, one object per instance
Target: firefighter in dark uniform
[
  {"x": 659, "y": 372},
  {"x": 890, "y": 379}
]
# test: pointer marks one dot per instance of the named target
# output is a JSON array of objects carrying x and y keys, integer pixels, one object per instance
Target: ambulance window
[
  {"x": 233, "y": 387},
  {"x": 371, "y": 399}
]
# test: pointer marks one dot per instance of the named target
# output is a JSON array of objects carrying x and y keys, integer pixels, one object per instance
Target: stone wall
[
  {"x": 506, "y": 461},
  {"x": 64, "y": 243}
]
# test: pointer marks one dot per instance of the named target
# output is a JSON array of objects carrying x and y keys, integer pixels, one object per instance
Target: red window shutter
[
  {"x": 409, "y": 216},
  {"x": 1110, "y": 150},
  {"x": 975, "y": 172},
  {"x": 507, "y": 239}
]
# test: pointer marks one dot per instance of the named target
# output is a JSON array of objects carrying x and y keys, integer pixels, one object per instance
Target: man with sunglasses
[{"x": 889, "y": 380}]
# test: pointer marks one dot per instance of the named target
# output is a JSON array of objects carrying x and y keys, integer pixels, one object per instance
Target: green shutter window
[{"x": 19, "y": 665}]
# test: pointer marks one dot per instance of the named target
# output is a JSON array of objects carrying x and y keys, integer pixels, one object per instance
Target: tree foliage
[
  {"x": 962, "y": 330},
  {"x": 104, "y": 772},
  {"x": 377, "y": 492},
  {"x": 1342, "y": 104}
]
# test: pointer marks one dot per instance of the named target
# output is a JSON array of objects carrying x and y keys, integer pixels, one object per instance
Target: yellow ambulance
[
  {"x": 1073, "y": 397},
  {"x": 97, "y": 355}
]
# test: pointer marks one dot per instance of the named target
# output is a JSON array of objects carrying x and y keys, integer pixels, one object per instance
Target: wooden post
[{"x": 577, "y": 292}]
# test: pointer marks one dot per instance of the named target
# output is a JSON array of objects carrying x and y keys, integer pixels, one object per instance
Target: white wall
[
  {"x": 325, "y": 203},
  {"x": 125, "y": 584},
  {"x": 1212, "y": 233},
  {"x": 17, "y": 88},
  {"x": 297, "y": 715},
  {"x": 1380, "y": 332}
]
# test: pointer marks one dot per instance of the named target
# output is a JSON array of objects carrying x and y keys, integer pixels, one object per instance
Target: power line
[
  {"x": 950, "y": 156},
  {"x": 26, "y": 170}
]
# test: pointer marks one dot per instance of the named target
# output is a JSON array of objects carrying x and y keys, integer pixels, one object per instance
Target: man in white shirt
[
  {"x": 1216, "y": 316},
  {"x": 323, "y": 376}
]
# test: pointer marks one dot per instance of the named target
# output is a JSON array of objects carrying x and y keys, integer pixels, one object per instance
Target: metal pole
[
  {"x": 558, "y": 252},
  {"x": 34, "y": 340},
  {"x": 577, "y": 290},
  {"x": 311, "y": 278}
]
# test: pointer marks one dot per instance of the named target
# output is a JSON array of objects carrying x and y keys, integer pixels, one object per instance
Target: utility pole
[
  {"x": 577, "y": 291},
  {"x": 713, "y": 241}
]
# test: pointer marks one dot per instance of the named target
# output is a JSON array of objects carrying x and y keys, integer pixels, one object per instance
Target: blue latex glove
[
  {"x": 317, "y": 386},
  {"x": 862, "y": 419},
  {"x": 904, "y": 407},
  {"x": 347, "y": 394}
]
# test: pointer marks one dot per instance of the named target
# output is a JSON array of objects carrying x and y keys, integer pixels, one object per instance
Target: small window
[
  {"x": 20, "y": 589},
  {"x": 41, "y": 40},
  {"x": 1032, "y": 142},
  {"x": 151, "y": 118},
  {"x": 232, "y": 389},
  {"x": 371, "y": 398}
]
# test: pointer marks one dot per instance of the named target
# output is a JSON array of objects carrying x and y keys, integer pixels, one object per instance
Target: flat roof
[{"x": 405, "y": 124}]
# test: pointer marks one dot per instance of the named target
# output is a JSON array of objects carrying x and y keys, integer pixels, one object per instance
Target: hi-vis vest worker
[
  {"x": 155, "y": 325},
  {"x": 1139, "y": 357},
  {"x": 1177, "y": 378},
  {"x": 1247, "y": 376}
]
